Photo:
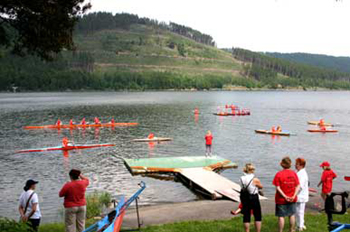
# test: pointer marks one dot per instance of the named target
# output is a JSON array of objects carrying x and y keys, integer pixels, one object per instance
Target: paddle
[{"x": 347, "y": 178}]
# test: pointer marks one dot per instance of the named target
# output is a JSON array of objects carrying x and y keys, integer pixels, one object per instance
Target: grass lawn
[{"x": 314, "y": 223}]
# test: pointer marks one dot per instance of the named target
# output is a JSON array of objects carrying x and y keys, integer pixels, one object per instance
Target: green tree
[{"x": 41, "y": 27}]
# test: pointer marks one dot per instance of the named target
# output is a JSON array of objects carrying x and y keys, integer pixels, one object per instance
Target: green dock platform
[{"x": 175, "y": 164}]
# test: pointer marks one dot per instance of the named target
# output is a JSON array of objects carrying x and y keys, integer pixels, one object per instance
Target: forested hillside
[
  {"x": 126, "y": 52},
  {"x": 280, "y": 72},
  {"x": 338, "y": 63},
  {"x": 123, "y": 51}
]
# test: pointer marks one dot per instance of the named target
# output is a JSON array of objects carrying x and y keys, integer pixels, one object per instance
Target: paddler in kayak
[
  {"x": 83, "y": 122},
  {"x": 279, "y": 129},
  {"x": 71, "y": 123},
  {"x": 97, "y": 121},
  {"x": 112, "y": 121},
  {"x": 273, "y": 129},
  {"x": 58, "y": 123},
  {"x": 321, "y": 123},
  {"x": 150, "y": 136}
]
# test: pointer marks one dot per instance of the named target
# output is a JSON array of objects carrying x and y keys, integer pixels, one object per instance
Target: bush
[
  {"x": 8, "y": 225},
  {"x": 95, "y": 203}
]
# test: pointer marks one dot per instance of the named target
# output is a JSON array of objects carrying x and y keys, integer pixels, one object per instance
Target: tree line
[
  {"x": 262, "y": 67},
  {"x": 103, "y": 20}
]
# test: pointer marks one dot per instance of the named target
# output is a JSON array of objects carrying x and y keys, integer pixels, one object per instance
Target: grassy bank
[{"x": 314, "y": 223}]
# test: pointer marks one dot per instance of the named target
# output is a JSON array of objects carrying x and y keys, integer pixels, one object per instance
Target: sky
[{"x": 310, "y": 26}]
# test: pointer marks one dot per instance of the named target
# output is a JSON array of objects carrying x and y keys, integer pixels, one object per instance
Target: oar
[{"x": 347, "y": 178}]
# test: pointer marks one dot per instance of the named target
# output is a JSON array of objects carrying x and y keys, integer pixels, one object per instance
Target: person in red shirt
[
  {"x": 71, "y": 122},
  {"x": 74, "y": 201},
  {"x": 208, "y": 142},
  {"x": 287, "y": 188},
  {"x": 83, "y": 122},
  {"x": 112, "y": 121},
  {"x": 326, "y": 179}
]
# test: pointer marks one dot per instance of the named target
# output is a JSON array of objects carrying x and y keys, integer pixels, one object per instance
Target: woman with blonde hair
[{"x": 252, "y": 203}]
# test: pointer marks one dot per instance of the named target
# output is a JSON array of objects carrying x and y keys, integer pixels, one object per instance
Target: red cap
[{"x": 325, "y": 164}]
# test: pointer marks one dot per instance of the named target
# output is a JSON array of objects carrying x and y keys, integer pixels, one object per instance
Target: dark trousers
[
  {"x": 252, "y": 205},
  {"x": 34, "y": 223}
]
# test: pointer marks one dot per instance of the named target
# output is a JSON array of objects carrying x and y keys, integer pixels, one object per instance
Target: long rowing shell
[
  {"x": 272, "y": 133},
  {"x": 318, "y": 123},
  {"x": 81, "y": 125},
  {"x": 322, "y": 131},
  {"x": 67, "y": 148},
  {"x": 155, "y": 139}
]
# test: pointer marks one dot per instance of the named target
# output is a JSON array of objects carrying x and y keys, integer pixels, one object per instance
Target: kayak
[
  {"x": 318, "y": 123},
  {"x": 155, "y": 139},
  {"x": 323, "y": 131},
  {"x": 82, "y": 125},
  {"x": 113, "y": 221},
  {"x": 283, "y": 133},
  {"x": 221, "y": 114},
  {"x": 67, "y": 148}
]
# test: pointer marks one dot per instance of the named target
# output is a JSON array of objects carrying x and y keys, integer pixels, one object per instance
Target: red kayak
[
  {"x": 67, "y": 148},
  {"x": 323, "y": 131},
  {"x": 82, "y": 125}
]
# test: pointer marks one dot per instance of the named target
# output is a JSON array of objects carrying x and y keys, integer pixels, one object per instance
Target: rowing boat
[
  {"x": 67, "y": 148},
  {"x": 318, "y": 123},
  {"x": 323, "y": 131},
  {"x": 155, "y": 139},
  {"x": 283, "y": 133},
  {"x": 67, "y": 126}
]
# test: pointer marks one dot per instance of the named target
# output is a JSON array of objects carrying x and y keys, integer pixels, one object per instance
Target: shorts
[{"x": 285, "y": 210}]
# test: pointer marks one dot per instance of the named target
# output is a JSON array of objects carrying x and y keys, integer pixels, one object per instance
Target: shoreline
[{"x": 201, "y": 211}]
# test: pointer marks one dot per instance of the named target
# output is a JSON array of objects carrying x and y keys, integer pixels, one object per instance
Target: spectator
[
  {"x": 74, "y": 201},
  {"x": 303, "y": 195},
  {"x": 252, "y": 184},
  {"x": 326, "y": 179},
  {"x": 29, "y": 205},
  {"x": 287, "y": 187}
]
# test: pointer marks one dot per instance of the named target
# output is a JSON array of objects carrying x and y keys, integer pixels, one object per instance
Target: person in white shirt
[
  {"x": 29, "y": 205},
  {"x": 251, "y": 205},
  {"x": 303, "y": 195}
]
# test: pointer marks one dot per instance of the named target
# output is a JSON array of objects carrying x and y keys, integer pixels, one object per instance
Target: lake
[{"x": 166, "y": 114}]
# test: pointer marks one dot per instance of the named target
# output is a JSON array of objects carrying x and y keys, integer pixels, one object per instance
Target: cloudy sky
[{"x": 312, "y": 26}]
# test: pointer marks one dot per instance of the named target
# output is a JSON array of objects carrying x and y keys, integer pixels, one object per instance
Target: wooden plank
[{"x": 212, "y": 182}]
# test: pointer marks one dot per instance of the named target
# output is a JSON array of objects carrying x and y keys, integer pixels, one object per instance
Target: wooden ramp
[{"x": 216, "y": 185}]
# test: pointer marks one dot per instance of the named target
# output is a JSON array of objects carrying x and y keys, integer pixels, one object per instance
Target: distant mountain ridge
[{"x": 331, "y": 62}]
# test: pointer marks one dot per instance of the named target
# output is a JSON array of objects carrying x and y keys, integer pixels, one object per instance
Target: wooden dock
[
  {"x": 196, "y": 172},
  {"x": 209, "y": 183}
]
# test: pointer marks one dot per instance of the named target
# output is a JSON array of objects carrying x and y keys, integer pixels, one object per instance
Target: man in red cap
[{"x": 326, "y": 179}]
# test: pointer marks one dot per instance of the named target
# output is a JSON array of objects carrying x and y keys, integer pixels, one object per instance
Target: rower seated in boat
[
  {"x": 97, "y": 121},
  {"x": 83, "y": 122},
  {"x": 65, "y": 142},
  {"x": 112, "y": 121},
  {"x": 58, "y": 123},
  {"x": 71, "y": 122}
]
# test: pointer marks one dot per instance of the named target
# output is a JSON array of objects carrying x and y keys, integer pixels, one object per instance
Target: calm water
[{"x": 167, "y": 114}]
